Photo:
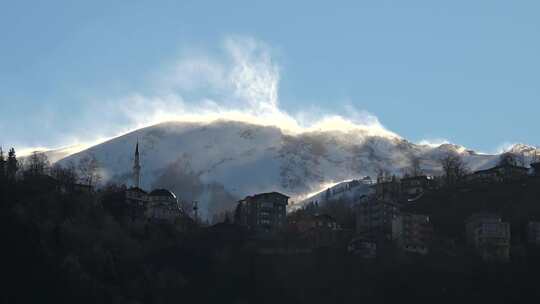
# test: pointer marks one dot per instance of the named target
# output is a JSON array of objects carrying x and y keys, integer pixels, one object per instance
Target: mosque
[{"x": 158, "y": 205}]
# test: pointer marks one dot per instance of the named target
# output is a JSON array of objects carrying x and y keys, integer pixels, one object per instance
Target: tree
[
  {"x": 415, "y": 168},
  {"x": 2, "y": 165},
  {"x": 327, "y": 195},
  {"x": 382, "y": 175},
  {"x": 11, "y": 165},
  {"x": 89, "y": 168},
  {"x": 454, "y": 169},
  {"x": 35, "y": 165},
  {"x": 65, "y": 175}
]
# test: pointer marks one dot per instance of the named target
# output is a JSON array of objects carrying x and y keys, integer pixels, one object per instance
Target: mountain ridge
[{"x": 227, "y": 160}]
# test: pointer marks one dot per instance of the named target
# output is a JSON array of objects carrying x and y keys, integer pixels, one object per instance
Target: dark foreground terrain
[{"x": 77, "y": 247}]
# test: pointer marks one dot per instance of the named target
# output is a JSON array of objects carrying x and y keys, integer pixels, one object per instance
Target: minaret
[{"x": 137, "y": 167}]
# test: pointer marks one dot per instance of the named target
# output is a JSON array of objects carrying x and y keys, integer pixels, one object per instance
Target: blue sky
[{"x": 464, "y": 71}]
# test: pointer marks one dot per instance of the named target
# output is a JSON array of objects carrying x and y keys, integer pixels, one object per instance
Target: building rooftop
[
  {"x": 324, "y": 216},
  {"x": 162, "y": 192},
  {"x": 500, "y": 167},
  {"x": 261, "y": 195},
  {"x": 420, "y": 177},
  {"x": 136, "y": 189},
  {"x": 485, "y": 216}
]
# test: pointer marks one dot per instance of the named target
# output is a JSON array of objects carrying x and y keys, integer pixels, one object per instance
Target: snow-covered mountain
[
  {"x": 346, "y": 191},
  {"x": 216, "y": 163},
  {"x": 55, "y": 155}
]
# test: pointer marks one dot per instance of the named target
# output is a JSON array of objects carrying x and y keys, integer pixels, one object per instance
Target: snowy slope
[
  {"x": 53, "y": 155},
  {"x": 219, "y": 162},
  {"x": 347, "y": 191}
]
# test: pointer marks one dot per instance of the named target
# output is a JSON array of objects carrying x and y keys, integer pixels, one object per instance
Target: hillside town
[
  {"x": 391, "y": 217},
  {"x": 489, "y": 217}
]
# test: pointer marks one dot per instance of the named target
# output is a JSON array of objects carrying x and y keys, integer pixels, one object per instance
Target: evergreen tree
[
  {"x": 327, "y": 195},
  {"x": 2, "y": 176},
  {"x": 2, "y": 165},
  {"x": 12, "y": 165}
]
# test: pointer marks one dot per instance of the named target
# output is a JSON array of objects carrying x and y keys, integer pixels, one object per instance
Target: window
[
  {"x": 489, "y": 228},
  {"x": 267, "y": 205},
  {"x": 265, "y": 222}
]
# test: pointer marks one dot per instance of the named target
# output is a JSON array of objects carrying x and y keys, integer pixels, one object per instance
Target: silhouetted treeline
[{"x": 65, "y": 245}]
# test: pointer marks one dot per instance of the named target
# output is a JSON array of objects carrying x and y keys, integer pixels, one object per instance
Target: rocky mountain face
[{"x": 217, "y": 163}]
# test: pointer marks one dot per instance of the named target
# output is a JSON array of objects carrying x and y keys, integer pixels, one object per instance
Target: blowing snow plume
[
  {"x": 242, "y": 84},
  {"x": 213, "y": 132}
]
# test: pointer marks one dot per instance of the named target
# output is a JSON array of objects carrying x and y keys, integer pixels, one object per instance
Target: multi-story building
[
  {"x": 263, "y": 213},
  {"x": 374, "y": 218},
  {"x": 412, "y": 232},
  {"x": 502, "y": 173},
  {"x": 412, "y": 188},
  {"x": 388, "y": 190},
  {"x": 318, "y": 230},
  {"x": 489, "y": 236},
  {"x": 363, "y": 247},
  {"x": 484, "y": 176},
  {"x": 533, "y": 233},
  {"x": 512, "y": 173},
  {"x": 317, "y": 221},
  {"x": 535, "y": 168},
  {"x": 414, "y": 185}
]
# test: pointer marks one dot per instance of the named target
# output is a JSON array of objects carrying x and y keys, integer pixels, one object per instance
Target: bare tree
[
  {"x": 415, "y": 169},
  {"x": 88, "y": 168},
  {"x": 454, "y": 169},
  {"x": 382, "y": 174},
  {"x": 66, "y": 175},
  {"x": 36, "y": 164}
]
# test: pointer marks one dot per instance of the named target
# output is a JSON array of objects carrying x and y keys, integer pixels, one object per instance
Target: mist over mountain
[{"x": 218, "y": 162}]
